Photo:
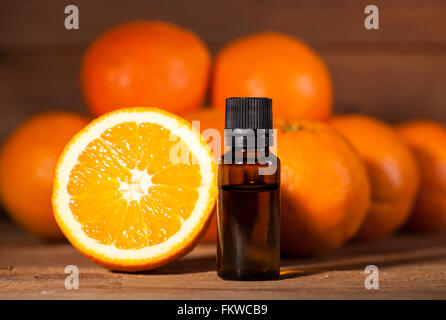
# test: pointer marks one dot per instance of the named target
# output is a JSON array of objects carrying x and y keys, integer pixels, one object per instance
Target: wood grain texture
[
  {"x": 389, "y": 86},
  {"x": 411, "y": 266},
  {"x": 402, "y": 21}
]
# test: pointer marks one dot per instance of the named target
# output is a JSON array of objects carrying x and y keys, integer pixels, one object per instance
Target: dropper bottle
[{"x": 248, "y": 203}]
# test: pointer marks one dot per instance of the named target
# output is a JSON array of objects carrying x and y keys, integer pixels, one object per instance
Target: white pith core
[{"x": 138, "y": 186}]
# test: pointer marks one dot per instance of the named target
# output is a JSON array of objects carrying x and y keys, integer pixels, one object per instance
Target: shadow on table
[
  {"x": 399, "y": 250},
  {"x": 184, "y": 266}
]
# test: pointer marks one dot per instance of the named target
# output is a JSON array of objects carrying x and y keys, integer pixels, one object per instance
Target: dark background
[{"x": 395, "y": 73}]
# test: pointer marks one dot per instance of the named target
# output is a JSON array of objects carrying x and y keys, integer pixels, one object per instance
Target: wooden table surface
[{"x": 410, "y": 266}]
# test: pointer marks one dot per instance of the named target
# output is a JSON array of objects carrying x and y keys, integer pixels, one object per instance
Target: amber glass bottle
[{"x": 248, "y": 202}]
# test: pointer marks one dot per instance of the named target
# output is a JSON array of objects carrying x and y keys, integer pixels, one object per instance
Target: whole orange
[
  {"x": 210, "y": 119},
  {"x": 392, "y": 169},
  {"x": 146, "y": 63},
  {"x": 428, "y": 141},
  {"x": 27, "y": 163},
  {"x": 325, "y": 190},
  {"x": 277, "y": 66}
]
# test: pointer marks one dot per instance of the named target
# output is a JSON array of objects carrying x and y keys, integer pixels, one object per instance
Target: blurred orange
[
  {"x": 277, "y": 66},
  {"x": 392, "y": 169},
  {"x": 27, "y": 163},
  {"x": 325, "y": 190},
  {"x": 210, "y": 119},
  {"x": 146, "y": 63},
  {"x": 428, "y": 141}
]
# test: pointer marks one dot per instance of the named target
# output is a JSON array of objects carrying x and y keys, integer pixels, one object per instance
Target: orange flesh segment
[{"x": 126, "y": 192}]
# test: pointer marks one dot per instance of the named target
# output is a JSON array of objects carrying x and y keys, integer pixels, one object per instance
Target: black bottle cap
[{"x": 249, "y": 113}]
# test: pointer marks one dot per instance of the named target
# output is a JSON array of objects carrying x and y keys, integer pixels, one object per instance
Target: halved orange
[{"x": 135, "y": 189}]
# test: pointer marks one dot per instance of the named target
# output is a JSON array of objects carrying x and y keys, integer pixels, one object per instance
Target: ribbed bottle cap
[{"x": 249, "y": 113}]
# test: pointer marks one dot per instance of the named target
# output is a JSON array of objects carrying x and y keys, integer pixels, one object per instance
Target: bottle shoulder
[
  {"x": 248, "y": 170},
  {"x": 251, "y": 157}
]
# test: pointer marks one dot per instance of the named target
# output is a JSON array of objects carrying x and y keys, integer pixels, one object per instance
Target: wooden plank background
[{"x": 396, "y": 73}]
